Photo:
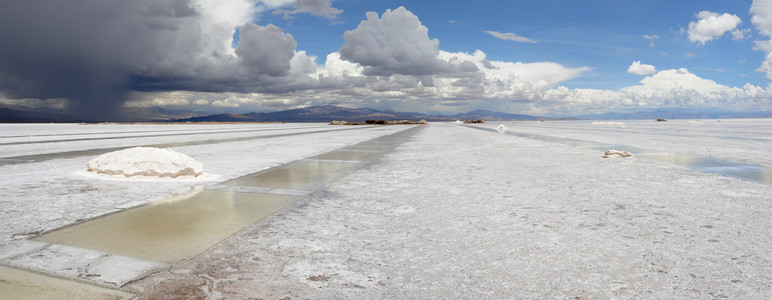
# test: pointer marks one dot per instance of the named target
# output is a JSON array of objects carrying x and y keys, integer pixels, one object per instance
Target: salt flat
[
  {"x": 457, "y": 212},
  {"x": 48, "y": 194},
  {"x": 460, "y": 213}
]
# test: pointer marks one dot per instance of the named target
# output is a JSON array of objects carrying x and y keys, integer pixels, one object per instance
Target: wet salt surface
[
  {"x": 463, "y": 213},
  {"x": 711, "y": 165},
  {"x": 740, "y": 140},
  {"x": 173, "y": 229},
  {"x": 180, "y": 227},
  {"x": 177, "y": 228},
  {"x": 298, "y": 175},
  {"x": 18, "y": 284},
  {"x": 41, "y": 196}
]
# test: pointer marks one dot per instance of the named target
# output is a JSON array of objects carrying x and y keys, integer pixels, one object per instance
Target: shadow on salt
[{"x": 206, "y": 177}]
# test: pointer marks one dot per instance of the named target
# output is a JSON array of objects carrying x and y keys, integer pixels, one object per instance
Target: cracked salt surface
[
  {"x": 46, "y": 195},
  {"x": 498, "y": 216},
  {"x": 462, "y": 213}
]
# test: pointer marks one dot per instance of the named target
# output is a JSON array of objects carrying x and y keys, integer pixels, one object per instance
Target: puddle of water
[
  {"x": 709, "y": 165},
  {"x": 171, "y": 230},
  {"x": 17, "y": 284},
  {"x": 298, "y": 175},
  {"x": 691, "y": 161},
  {"x": 757, "y": 175},
  {"x": 178, "y": 228}
]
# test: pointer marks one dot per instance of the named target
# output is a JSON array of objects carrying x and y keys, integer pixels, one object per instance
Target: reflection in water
[
  {"x": 709, "y": 165},
  {"x": 693, "y": 162},
  {"x": 298, "y": 175},
  {"x": 17, "y": 284},
  {"x": 348, "y": 154},
  {"x": 759, "y": 175},
  {"x": 171, "y": 231}
]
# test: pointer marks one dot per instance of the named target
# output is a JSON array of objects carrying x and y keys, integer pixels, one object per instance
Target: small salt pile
[
  {"x": 501, "y": 128},
  {"x": 616, "y": 153}
]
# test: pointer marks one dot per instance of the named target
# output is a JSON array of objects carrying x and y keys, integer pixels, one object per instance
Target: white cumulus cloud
[
  {"x": 681, "y": 88},
  {"x": 711, "y": 25},
  {"x": 676, "y": 88},
  {"x": 638, "y": 68},
  {"x": 397, "y": 43},
  {"x": 761, "y": 12}
]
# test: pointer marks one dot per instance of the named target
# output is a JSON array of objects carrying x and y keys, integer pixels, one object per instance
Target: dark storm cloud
[
  {"x": 94, "y": 52},
  {"x": 178, "y": 8},
  {"x": 261, "y": 57},
  {"x": 51, "y": 50}
]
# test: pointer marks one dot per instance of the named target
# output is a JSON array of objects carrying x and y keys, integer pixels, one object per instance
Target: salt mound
[
  {"x": 459, "y": 122},
  {"x": 146, "y": 161},
  {"x": 501, "y": 128}
]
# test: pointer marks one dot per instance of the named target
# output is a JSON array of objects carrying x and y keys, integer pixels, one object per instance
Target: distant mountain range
[{"x": 327, "y": 113}]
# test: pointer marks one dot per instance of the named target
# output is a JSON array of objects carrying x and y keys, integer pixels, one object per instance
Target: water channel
[{"x": 178, "y": 228}]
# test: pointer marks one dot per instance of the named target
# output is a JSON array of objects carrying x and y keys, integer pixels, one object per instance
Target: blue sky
[
  {"x": 543, "y": 57},
  {"x": 606, "y": 35}
]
